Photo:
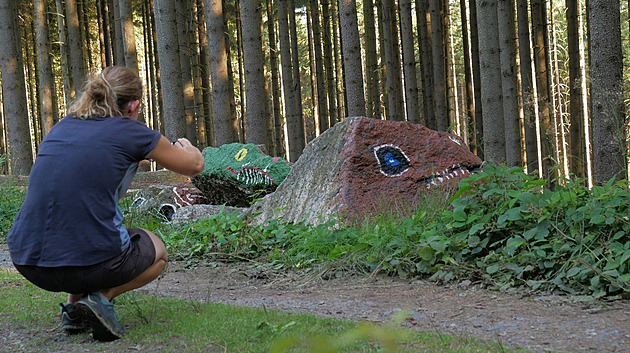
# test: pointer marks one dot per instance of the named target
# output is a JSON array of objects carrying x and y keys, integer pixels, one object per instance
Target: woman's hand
[{"x": 180, "y": 156}]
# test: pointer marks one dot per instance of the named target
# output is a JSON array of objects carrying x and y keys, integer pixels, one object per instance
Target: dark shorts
[{"x": 139, "y": 256}]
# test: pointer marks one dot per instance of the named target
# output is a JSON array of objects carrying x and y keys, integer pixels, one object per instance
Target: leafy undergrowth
[{"x": 502, "y": 228}]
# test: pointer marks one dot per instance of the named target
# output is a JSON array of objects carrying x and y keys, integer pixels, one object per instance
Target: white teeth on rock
[{"x": 447, "y": 174}]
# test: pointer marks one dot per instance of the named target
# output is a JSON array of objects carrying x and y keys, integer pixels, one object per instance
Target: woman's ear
[{"x": 134, "y": 107}]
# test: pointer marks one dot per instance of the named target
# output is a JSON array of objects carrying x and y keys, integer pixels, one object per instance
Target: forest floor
[{"x": 539, "y": 323}]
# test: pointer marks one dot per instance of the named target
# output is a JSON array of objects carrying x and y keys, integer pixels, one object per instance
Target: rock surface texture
[
  {"x": 362, "y": 163},
  {"x": 235, "y": 174}
]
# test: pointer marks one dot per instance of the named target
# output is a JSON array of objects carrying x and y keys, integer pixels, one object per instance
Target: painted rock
[
  {"x": 362, "y": 164},
  {"x": 235, "y": 174}
]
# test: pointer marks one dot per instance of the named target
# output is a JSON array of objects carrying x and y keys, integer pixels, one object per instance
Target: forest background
[{"x": 540, "y": 84}]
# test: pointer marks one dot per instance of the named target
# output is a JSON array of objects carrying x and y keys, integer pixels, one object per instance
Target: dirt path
[{"x": 540, "y": 323}]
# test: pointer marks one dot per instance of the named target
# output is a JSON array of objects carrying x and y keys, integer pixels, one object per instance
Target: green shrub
[{"x": 11, "y": 200}]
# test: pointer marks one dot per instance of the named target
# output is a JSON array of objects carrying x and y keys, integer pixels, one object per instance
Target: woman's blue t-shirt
[{"x": 70, "y": 216}]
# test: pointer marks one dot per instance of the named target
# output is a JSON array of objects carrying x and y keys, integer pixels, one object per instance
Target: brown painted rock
[{"x": 360, "y": 164}]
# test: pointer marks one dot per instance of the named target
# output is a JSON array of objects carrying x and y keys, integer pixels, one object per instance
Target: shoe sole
[{"x": 100, "y": 329}]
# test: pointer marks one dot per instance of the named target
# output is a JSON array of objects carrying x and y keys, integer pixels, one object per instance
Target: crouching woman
[{"x": 69, "y": 234}]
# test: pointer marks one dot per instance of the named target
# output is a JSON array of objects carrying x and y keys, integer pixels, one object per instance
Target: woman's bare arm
[{"x": 181, "y": 156}]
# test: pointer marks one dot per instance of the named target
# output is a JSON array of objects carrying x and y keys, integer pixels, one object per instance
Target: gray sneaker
[
  {"x": 71, "y": 322},
  {"x": 99, "y": 312}
]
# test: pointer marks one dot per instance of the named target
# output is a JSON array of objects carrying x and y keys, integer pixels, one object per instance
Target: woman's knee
[{"x": 160, "y": 248}]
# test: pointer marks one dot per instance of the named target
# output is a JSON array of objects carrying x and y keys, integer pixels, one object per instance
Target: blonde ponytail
[{"x": 107, "y": 94}]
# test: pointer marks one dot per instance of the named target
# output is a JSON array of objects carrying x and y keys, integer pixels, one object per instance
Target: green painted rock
[{"x": 235, "y": 174}]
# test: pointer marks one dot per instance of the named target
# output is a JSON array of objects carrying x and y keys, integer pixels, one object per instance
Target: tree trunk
[
  {"x": 426, "y": 58},
  {"x": 451, "y": 75},
  {"x": 491, "y": 89},
  {"x": 311, "y": 125},
  {"x": 352, "y": 58},
  {"x": 439, "y": 67},
  {"x": 14, "y": 91},
  {"x": 322, "y": 99},
  {"x": 577, "y": 92},
  {"x": 394, "y": 109},
  {"x": 85, "y": 37},
  {"x": 371, "y": 62},
  {"x": 278, "y": 119},
  {"x": 607, "y": 111},
  {"x": 509, "y": 83},
  {"x": 239, "y": 59},
  {"x": 295, "y": 129},
  {"x": 118, "y": 35},
  {"x": 225, "y": 124},
  {"x": 257, "y": 119},
  {"x": 46, "y": 84},
  {"x": 202, "y": 38},
  {"x": 527, "y": 89},
  {"x": 297, "y": 84},
  {"x": 543, "y": 83},
  {"x": 104, "y": 33},
  {"x": 476, "y": 69},
  {"x": 128, "y": 34},
  {"x": 331, "y": 85},
  {"x": 556, "y": 92},
  {"x": 470, "y": 94},
  {"x": 75, "y": 46},
  {"x": 68, "y": 87},
  {"x": 185, "y": 60},
  {"x": 170, "y": 69},
  {"x": 409, "y": 62}
]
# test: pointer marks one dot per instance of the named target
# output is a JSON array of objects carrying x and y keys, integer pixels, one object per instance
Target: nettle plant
[{"x": 511, "y": 229}]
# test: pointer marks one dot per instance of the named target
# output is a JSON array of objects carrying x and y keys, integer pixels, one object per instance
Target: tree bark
[
  {"x": 257, "y": 118},
  {"x": 322, "y": 99},
  {"x": 352, "y": 58},
  {"x": 46, "y": 83},
  {"x": 75, "y": 46},
  {"x": 327, "y": 43},
  {"x": 297, "y": 84},
  {"x": 439, "y": 67},
  {"x": 14, "y": 91},
  {"x": 225, "y": 124},
  {"x": 185, "y": 60},
  {"x": 468, "y": 80},
  {"x": 491, "y": 89},
  {"x": 118, "y": 35},
  {"x": 527, "y": 88},
  {"x": 540, "y": 41},
  {"x": 371, "y": 62},
  {"x": 295, "y": 128},
  {"x": 170, "y": 69},
  {"x": 394, "y": 109},
  {"x": 608, "y": 116},
  {"x": 277, "y": 118},
  {"x": 426, "y": 59},
  {"x": 409, "y": 62},
  {"x": 509, "y": 83},
  {"x": 577, "y": 111},
  {"x": 128, "y": 35}
]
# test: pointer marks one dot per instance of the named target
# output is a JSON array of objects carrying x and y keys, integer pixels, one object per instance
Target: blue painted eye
[{"x": 391, "y": 159}]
